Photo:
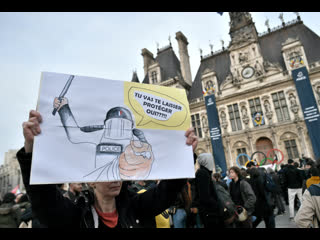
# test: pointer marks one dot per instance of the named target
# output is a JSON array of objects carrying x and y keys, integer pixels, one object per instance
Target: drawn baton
[{"x": 63, "y": 92}]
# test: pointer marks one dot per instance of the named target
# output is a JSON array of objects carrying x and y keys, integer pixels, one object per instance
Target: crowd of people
[
  {"x": 239, "y": 198},
  {"x": 197, "y": 204}
]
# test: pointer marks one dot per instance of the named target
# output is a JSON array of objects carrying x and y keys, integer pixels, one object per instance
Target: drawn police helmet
[{"x": 118, "y": 123}]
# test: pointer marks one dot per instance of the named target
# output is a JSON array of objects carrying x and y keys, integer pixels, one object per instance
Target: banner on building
[
  {"x": 215, "y": 133},
  {"x": 309, "y": 107}
]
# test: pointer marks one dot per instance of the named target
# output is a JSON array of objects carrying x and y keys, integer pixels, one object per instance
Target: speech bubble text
[{"x": 156, "y": 107}]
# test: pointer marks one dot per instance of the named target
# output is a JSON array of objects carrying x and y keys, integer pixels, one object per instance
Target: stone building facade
[
  {"x": 251, "y": 78},
  {"x": 10, "y": 174}
]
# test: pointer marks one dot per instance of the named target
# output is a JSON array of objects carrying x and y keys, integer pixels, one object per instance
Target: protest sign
[{"x": 97, "y": 130}]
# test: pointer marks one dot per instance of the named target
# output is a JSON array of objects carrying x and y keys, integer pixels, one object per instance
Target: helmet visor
[{"x": 118, "y": 128}]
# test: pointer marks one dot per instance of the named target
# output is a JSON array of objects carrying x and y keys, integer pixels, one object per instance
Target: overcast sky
[{"x": 106, "y": 45}]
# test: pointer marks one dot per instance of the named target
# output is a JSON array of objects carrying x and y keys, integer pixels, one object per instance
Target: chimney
[
  {"x": 147, "y": 60},
  {"x": 184, "y": 57}
]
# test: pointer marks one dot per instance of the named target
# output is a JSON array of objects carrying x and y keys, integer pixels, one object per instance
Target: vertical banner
[
  {"x": 215, "y": 133},
  {"x": 309, "y": 107}
]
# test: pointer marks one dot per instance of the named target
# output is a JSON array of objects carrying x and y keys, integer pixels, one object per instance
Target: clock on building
[{"x": 247, "y": 72}]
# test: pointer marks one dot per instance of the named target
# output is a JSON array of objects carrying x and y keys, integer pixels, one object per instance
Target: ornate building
[
  {"x": 10, "y": 174},
  {"x": 255, "y": 94}
]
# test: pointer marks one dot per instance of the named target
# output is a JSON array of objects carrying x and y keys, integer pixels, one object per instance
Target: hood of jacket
[{"x": 206, "y": 160}]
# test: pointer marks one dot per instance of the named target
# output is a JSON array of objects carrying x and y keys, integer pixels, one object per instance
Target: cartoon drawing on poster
[
  {"x": 122, "y": 151},
  {"x": 116, "y": 147}
]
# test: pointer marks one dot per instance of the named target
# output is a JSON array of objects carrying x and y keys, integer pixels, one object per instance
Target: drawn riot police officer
[{"x": 122, "y": 151}]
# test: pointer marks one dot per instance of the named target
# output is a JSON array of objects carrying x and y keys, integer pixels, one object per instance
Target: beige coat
[{"x": 309, "y": 210}]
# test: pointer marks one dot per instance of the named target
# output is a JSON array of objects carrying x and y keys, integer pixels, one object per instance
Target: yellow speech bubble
[{"x": 156, "y": 109}]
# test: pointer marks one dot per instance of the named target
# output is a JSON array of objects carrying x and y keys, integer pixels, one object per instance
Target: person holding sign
[{"x": 111, "y": 205}]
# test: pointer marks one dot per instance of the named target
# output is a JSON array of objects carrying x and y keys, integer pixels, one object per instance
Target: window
[
  {"x": 242, "y": 159},
  {"x": 234, "y": 116},
  {"x": 255, "y": 105},
  {"x": 154, "y": 77},
  {"x": 280, "y": 105},
  {"x": 291, "y": 148},
  {"x": 195, "y": 119}
]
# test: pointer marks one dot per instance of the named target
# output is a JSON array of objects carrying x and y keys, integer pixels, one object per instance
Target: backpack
[
  {"x": 270, "y": 189},
  {"x": 270, "y": 184},
  {"x": 229, "y": 207}
]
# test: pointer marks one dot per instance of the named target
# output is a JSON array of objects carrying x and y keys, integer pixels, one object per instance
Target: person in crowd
[
  {"x": 245, "y": 174},
  {"x": 110, "y": 205},
  {"x": 26, "y": 212},
  {"x": 74, "y": 191},
  {"x": 297, "y": 202},
  {"x": 308, "y": 164},
  {"x": 276, "y": 195},
  {"x": 227, "y": 178},
  {"x": 242, "y": 195},
  {"x": 308, "y": 215},
  {"x": 28, "y": 219},
  {"x": 161, "y": 220},
  {"x": 263, "y": 207},
  {"x": 206, "y": 198},
  {"x": 283, "y": 183},
  {"x": 138, "y": 185},
  {"x": 18, "y": 196},
  {"x": 250, "y": 165},
  {"x": 294, "y": 182},
  {"x": 181, "y": 208},
  {"x": 23, "y": 202},
  {"x": 217, "y": 179},
  {"x": 193, "y": 220},
  {"x": 301, "y": 171},
  {"x": 10, "y": 212},
  {"x": 61, "y": 188},
  {"x": 315, "y": 177}
]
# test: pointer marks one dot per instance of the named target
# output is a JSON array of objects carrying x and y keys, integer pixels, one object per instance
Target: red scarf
[{"x": 109, "y": 219}]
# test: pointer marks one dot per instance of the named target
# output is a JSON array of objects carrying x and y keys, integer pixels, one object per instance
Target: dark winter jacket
[
  {"x": 206, "y": 198},
  {"x": 10, "y": 215},
  {"x": 263, "y": 206},
  {"x": 276, "y": 180},
  {"x": 293, "y": 177},
  {"x": 54, "y": 210},
  {"x": 247, "y": 198}
]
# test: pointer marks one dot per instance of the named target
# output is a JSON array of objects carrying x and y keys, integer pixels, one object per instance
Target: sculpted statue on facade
[
  {"x": 267, "y": 106},
  {"x": 243, "y": 57},
  {"x": 292, "y": 99},
  {"x": 244, "y": 112},
  {"x": 258, "y": 68},
  {"x": 236, "y": 78},
  {"x": 293, "y": 105},
  {"x": 223, "y": 119},
  {"x": 269, "y": 112},
  {"x": 318, "y": 93},
  {"x": 205, "y": 126},
  {"x": 245, "y": 117}
]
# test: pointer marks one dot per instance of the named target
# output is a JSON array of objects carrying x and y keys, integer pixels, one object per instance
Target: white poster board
[{"x": 97, "y": 130}]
